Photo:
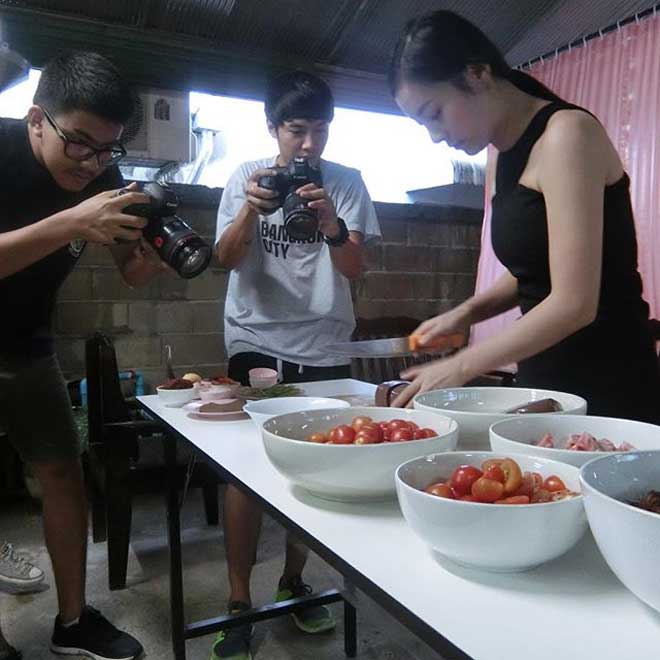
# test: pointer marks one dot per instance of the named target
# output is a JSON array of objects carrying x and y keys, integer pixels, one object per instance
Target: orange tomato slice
[
  {"x": 442, "y": 342},
  {"x": 513, "y": 477}
]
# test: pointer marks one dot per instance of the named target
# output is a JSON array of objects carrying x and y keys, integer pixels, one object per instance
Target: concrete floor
[{"x": 143, "y": 607}]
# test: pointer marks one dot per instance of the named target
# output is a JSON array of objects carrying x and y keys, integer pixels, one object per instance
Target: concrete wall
[{"x": 425, "y": 263}]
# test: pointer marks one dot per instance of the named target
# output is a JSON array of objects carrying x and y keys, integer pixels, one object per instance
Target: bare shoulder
[
  {"x": 575, "y": 136},
  {"x": 567, "y": 127}
]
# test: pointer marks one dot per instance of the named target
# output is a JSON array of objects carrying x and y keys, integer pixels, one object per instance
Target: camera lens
[
  {"x": 300, "y": 221},
  {"x": 179, "y": 246},
  {"x": 191, "y": 259}
]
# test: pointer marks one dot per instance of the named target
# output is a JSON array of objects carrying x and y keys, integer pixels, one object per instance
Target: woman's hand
[
  {"x": 447, "y": 372},
  {"x": 455, "y": 321}
]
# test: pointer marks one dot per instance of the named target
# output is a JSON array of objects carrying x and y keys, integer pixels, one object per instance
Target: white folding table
[{"x": 573, "y": 607}]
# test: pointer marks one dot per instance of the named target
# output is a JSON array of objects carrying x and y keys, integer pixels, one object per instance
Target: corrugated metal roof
[{"x": 353, "y": 38}]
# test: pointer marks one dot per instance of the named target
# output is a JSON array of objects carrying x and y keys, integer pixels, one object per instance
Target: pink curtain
[{"x": 617, "y": 77}]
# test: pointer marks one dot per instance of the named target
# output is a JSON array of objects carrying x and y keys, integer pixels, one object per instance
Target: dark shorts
[
  {"x": 241, "y": 363},
  {"x": 35, "y": 410}
]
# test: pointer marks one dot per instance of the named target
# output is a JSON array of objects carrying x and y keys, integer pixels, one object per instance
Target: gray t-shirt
[{"x": 286, "y": 299}]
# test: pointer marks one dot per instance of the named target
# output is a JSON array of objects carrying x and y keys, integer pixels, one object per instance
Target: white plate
[{"x": 193, "y": 407}]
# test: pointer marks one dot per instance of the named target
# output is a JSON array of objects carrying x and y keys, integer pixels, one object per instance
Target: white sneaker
[{"x": 16, "y": 572}]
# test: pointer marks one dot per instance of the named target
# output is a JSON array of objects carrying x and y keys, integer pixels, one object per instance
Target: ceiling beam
[{"x": 154, "y": 59}]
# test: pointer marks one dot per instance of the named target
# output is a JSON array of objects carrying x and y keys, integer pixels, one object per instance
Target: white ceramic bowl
[
  {"x": 348, "y": 472},
  {"x": 492, "y": 537},
  {"x": 210, "y": 392},
  {"x": 628, "y": 537},
  {"x": 476, "y": 408},
  {"x": 175, "y": 398},
  {"x": 264, "y": 409},
  {"x": 517, "y": 435}
]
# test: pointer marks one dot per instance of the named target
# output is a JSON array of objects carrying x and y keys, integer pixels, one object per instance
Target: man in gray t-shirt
[{"x": 287, "y": 300}]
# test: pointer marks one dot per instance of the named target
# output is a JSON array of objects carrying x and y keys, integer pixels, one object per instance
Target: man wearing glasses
[{"x": 58, "y": 185}]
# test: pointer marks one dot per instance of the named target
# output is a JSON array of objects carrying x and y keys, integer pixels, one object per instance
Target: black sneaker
[
  {"x": 95, "y": 637},
  {"x": 233, "y": 643}
]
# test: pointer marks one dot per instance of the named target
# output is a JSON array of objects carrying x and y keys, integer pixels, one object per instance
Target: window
[
  {"x": 15, "y": 101},
  {"x": 393, "y": 153}
]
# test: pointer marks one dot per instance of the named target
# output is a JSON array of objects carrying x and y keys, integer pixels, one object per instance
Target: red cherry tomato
[
  {"x": 358, "y": 422},
  {"x": 399, "y": 424},
  {"x": 401, "y": 435},
  {"x": 341, "y": 435},
  {"x": 370, "y": 426},
  {"x": 487, "y": 490},
  {"x": 468, "y": 498},
  {"x": 319, "y": 438},
  {"x": 463, "y": 477},
  {"x": 514, "y": 499},
  {"x": 439, "y": 489},
  {"x": 420, "y": 434},
  {"x": 369, "y": 435},
  {"x": 413, "y": 426},
  {"x": 553, "y": 483}
]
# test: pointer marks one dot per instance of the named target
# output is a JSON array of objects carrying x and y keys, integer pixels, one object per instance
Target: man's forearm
[
  {"x": 347, "y": 258},
  {"x": 236, "y": 239},
  {"x": 23, "y": 247}
]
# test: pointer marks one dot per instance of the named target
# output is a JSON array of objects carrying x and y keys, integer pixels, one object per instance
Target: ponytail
[{"x": 530, "y": 85}]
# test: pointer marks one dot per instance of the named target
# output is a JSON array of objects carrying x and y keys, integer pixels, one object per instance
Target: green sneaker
[
  {"x": 233, "y": 643},
  {"x": 313, "y": 619}
]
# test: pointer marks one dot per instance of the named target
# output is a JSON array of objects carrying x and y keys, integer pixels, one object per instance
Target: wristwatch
[{"x": 341, "y": 238}]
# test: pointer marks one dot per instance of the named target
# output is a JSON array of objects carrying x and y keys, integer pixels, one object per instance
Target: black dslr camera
[
  {"x": 300, "y": 221},
  {"x": 176, "y": 243}
]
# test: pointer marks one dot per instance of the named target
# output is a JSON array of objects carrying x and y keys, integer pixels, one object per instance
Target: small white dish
[
  {"x": 262, "y": 377},
  {"x": 175, "y": 398},
  {"x": 193, "y": 410},
  {"x": 214, "y": 392}
]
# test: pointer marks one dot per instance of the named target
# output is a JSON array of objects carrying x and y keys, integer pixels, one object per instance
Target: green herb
[{"x": 269, "y": 392}]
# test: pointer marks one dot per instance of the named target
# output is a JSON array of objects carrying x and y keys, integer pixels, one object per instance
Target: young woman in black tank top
[{"x": 562, "y": 224}]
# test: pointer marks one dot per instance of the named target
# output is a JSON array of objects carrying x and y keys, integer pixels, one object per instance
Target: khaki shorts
[{"x": 35, "y": 410}]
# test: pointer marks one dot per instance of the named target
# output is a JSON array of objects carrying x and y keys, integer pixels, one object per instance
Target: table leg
[
  {"x": 350, "y": 630},
  {"x": 174, "y": 543}
]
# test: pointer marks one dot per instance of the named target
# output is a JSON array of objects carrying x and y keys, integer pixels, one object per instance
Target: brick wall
[{"x": 425, "y": 263}]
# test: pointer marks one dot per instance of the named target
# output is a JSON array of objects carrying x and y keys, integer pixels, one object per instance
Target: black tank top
[{"x": 612, "y": 362}]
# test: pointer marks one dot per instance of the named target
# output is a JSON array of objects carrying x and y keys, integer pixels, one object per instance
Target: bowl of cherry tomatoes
[
  {"x": 351, "y": 454},
  {"x": 492, "y": 512}
]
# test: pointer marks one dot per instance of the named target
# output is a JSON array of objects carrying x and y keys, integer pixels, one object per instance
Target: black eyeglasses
[{"x": 81, "y": 151}]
